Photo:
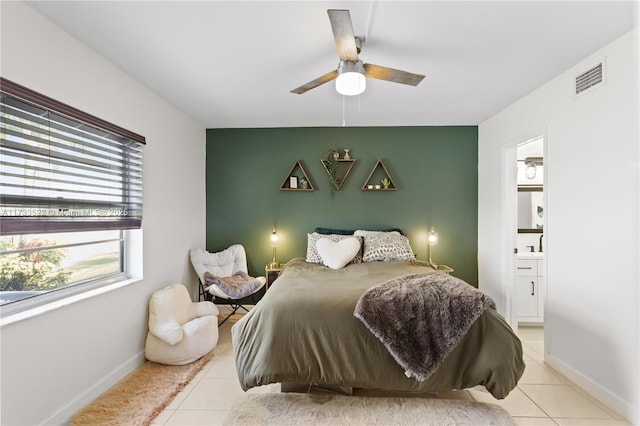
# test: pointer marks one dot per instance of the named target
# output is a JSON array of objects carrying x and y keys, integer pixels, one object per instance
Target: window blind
[{"x": 64, "y": 170}]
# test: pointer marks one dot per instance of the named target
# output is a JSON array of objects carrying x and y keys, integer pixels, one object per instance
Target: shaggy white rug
[{"x": 323, "y": 409}]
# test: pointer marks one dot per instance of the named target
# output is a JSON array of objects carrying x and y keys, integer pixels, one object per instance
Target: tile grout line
[
  {"x": 522, "y": 390},
  {"x": 536, "y": 404}
]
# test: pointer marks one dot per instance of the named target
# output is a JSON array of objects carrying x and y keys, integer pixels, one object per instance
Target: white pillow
[
  {"x": 337, "y": 254},
  {"x": 312, "y": 251}
]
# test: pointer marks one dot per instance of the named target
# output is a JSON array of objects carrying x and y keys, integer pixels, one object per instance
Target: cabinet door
[{"x": 527, "y": 296}]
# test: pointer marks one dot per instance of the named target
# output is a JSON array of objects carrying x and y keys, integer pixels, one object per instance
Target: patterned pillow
[
  {"x": 365, "y": 234},
  {"x": 312, "y": 251},
  {"x": 386, "y": 247}
]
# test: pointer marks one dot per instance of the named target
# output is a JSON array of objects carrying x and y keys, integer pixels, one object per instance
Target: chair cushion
[
  {"x": 200, "y": 337},
  {"x": 237, "y": 286},
  {"x": 222, "y": 264}
]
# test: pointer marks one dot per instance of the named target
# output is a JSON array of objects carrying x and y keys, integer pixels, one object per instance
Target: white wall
[
  {"x": 55, "y": 363},
  {"x": 591, "y": 234}
]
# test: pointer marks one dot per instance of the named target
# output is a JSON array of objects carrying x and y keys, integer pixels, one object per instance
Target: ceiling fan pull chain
[{"x": 344, "y": 122}]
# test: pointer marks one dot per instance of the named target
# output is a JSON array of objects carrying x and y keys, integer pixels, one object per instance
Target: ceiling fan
[{"x": 352, "y": 72}]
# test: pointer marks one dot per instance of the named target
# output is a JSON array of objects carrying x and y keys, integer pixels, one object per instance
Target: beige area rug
[
  {"x": 323, "y": 409},
  {"x": 140, "y": 396}
]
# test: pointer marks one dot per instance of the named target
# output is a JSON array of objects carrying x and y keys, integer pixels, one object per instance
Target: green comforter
[{"x": 303, "y": 331}]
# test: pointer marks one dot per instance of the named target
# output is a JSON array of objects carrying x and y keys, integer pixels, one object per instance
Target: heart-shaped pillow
[{"x": 336, "y": 254}]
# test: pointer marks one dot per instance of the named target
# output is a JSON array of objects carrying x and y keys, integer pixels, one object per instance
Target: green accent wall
[{"x": 434, "y": 168}]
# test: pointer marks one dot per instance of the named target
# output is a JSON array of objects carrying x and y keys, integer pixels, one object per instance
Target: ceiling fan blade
[
  {"x": 390, "y": 74},
  {"x": 343, "y": 34},
  {"x": 315, "y": 83}
]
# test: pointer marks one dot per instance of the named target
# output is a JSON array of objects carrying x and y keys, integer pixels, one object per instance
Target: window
[{"x": 70, "y": 188}]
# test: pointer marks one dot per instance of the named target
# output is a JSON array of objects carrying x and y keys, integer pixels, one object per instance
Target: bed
[{"x": 304, "y": 331}]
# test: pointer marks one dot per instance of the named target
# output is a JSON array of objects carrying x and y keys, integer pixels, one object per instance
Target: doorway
[{"x": 529, "y": 283}]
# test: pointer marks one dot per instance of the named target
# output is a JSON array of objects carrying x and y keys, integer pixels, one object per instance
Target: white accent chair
[
  {"x": 180, "y": 331},
  {"x": 224, "y": 263}
]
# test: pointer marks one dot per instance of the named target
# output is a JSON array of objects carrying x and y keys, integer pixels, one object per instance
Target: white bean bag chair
[{"x": 180, "y": 331}]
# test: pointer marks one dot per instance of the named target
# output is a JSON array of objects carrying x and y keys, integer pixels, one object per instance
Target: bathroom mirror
[{"x": 530, "y": 209}]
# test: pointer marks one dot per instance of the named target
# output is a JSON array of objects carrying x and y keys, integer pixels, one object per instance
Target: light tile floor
[{"x": 543, "y": 396}]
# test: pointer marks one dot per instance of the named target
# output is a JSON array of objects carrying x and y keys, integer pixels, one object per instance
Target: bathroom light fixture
[
  {"x": 432, "y": 240},
  {"x": 274, "y": 244},
  {"x": 531, "y": 169},
  {"x": 351, "y": 80}
]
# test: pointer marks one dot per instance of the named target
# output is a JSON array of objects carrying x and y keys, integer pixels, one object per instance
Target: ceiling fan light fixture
[
  {"x": 351, "y": 80},
  {"x": 352, "y": 73}
]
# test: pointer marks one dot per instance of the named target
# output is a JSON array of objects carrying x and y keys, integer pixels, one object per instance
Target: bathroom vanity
[{"x": 530, "y": 285}]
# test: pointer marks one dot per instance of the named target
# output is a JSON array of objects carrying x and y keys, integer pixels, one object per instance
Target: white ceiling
[{"x": 232, "y": 64}]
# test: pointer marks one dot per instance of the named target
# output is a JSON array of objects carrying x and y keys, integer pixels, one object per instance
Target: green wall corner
[{"x": 434, "y": 168}]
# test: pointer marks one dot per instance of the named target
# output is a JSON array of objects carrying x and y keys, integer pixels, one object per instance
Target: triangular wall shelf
[
  {"x": 374, "y": 181},
  {"x": 343, "y": 169},
  {"x": 297, "y": 183}
]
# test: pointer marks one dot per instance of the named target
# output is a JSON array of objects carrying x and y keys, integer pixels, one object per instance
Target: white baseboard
[
  {"x": 624, "y": 408},
  {"x": 64, "y": 414}
]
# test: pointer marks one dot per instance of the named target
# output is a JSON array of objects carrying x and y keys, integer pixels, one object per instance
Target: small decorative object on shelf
[
  {"x": 297, "y": 179},
  {"x": 379, "y": 173},
  {"x": 346, "y": 154},
  {"x": 336, "y": 155}
]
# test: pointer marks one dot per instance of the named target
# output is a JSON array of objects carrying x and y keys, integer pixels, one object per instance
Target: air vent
[{"x": 590, "y": 78}]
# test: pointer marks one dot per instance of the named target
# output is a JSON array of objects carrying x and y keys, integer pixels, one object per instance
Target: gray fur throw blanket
[
  {"x": 236, "y": 286},
  {"x": 420, "y": 318}
]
